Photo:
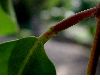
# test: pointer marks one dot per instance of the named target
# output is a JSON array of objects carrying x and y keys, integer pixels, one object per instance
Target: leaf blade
[{"x": 38, "y": 62}]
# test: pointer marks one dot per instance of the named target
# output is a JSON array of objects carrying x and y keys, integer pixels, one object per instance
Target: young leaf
[{"x": 24, "y": 56}]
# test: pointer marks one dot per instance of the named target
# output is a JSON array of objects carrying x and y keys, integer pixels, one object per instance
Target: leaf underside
[{"x": 15, "y": 59}]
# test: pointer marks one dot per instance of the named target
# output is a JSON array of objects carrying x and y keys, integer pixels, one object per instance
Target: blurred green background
[{"x": 22, "y": 18}]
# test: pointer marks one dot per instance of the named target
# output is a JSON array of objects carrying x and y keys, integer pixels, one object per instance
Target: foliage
[
  {"x": 8, "y": 24},
  {"x": 27, "y": 55},
  {"x": 24, "y": 56}
]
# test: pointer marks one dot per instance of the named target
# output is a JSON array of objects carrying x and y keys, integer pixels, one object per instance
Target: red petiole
[
  {"x": 95, "y": 51},
  {"x": 66, "y": 23}
]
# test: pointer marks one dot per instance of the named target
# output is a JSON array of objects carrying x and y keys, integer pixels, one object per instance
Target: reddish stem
[
  {"x": 64, "y": 24},
  {"x": 74, "y": 19},
  {"x": 95, "y": 51}
]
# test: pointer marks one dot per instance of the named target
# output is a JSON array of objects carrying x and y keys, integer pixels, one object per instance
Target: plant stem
[
  {"x": 64, "y": 24},
  {"x": 95, "y": 51}
]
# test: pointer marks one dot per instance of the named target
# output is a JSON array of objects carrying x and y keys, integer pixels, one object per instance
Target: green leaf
[
  {"x": 7, "y": 24},
  {"x": 24, "y": 56}
]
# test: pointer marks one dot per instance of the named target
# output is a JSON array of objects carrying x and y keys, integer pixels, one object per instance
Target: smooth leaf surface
[
  {"x": 21, "y": 57},
  {"x": 7, "y": 25}
]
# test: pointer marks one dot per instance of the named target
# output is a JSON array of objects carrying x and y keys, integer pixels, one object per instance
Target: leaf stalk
[
  {"x": 66, "y": 23},
  {"x": 95, "y": 50}
]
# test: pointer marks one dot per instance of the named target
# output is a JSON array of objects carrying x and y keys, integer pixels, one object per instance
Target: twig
[{"x": 95, "y": 51}]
